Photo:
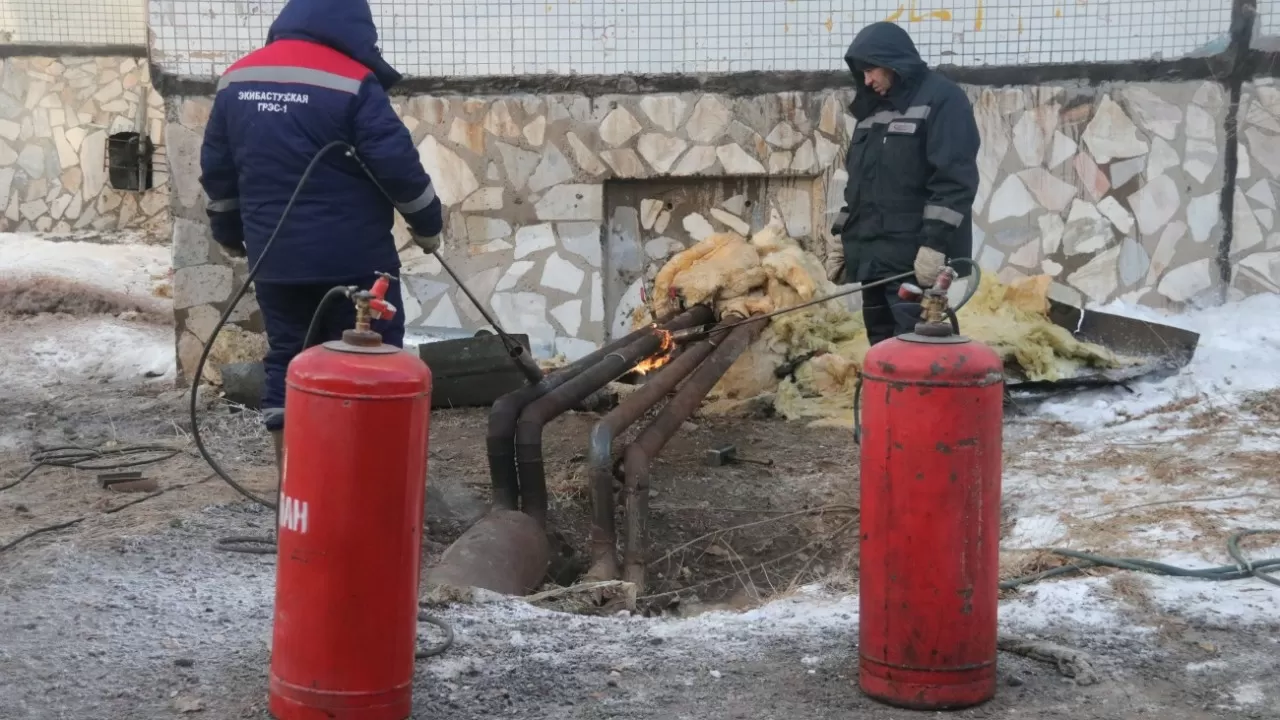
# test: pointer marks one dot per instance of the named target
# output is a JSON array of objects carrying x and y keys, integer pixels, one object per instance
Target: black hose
[
  {"x": 972, "y": 288},
  {"x": 80, "y": 458},
  {"x": 231, "y": 306},
  {"x": 426, "y": 617},
  {"x": 857, "y": 411},
  {"x": 1244, "y": 568},
  {"x": 267, "y": 545},
  {"x": 317, "y": 320}
]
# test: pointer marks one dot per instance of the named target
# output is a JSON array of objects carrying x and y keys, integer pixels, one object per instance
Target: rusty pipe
[
  {"x": 500, "y": 440},
  {"x": 529, "y": 462},
  {"x": 604, "y": 535},
  {"x": 639, "y": 454},
  {"x": 506, "y": 410}
]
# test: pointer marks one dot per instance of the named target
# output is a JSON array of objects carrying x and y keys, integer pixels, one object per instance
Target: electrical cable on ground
[
  {"x": 81, "y": 458},
  {"x": 109, "y": 511}
]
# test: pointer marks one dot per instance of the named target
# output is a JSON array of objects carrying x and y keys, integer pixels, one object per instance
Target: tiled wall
[
  {"x": 1114, "y": 190},
  {"x": 1255, "y": 247},
  {"x": 56, "y": 115}
]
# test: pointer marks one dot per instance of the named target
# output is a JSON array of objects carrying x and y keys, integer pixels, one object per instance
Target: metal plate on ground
[
  {"x": 471, "y": 371},
  {"x": 1164, "y": 350}
]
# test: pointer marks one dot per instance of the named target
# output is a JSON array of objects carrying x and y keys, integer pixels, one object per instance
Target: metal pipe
[
  {"x": 532, "y": 474},
  {"x": 640, "y": 453},
  {"x": 506, "y": 410},
  {"x": 500, "y": 440},
  {"x": 506, "y": 552},
  {"x": 604, "y": 535}
]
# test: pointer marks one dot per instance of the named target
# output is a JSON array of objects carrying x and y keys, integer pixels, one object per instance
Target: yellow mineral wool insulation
[
  {"x": 1014, "y": 321},
  {"x": 771, "y": 271}
]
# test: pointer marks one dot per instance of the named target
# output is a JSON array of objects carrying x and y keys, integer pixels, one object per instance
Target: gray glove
[
  {"x": 928, "y": 264},
  {"x": 429, "y": 245}
]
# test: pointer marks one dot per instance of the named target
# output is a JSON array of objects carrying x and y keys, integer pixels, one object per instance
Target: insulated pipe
[
  {"x": 640, "y": 453},
  {"x": 604, "y": 535},
  {"x": 502, "y": 417},
  {"x": 505, "y": 411},
  {"x": 532, "y": 474}
]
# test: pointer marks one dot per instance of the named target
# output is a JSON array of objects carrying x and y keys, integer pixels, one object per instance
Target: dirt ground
[{"x": 131, "y": 612}]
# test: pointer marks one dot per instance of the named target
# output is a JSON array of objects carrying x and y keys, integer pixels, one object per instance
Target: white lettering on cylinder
[{"x": 293, "y": 514}]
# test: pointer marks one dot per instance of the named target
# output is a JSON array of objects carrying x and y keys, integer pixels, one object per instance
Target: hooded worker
[
  {"x": 320, "y": 78},
  {"x": 913, "y": 175}
]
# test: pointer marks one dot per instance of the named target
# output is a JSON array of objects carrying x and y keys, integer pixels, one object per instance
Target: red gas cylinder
[
  {"x": 350, "y": 540},
  {"x": 929, "y": 565}
]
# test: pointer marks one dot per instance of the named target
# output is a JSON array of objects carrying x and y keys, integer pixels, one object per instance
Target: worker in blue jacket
[
  {"x": 913, "y": 176},
  {"x": 320, "y": 78}
]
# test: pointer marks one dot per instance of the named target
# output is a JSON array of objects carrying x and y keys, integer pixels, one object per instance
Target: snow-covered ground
[
  {"x": 1169, "y": 471},
  {"x": 117, "y": 262}
]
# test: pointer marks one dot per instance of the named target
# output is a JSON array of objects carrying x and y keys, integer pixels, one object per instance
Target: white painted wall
[
  {"x": 502, "y": 37},
  {"x": 73, "y": 22}
]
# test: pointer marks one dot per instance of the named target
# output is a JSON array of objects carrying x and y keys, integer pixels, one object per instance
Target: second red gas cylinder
[{"x": 932, "y": 409}]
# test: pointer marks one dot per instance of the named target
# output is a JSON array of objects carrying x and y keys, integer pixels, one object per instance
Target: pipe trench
[
  {"x": 604, "y": 536},
  {"x": 529, "y": 461},
  {"x": 639, "y": 455}
]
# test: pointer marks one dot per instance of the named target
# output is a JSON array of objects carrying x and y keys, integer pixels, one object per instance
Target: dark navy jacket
[
  {"x": 912, "y": 162},
  {"x": 320, "y": 78}
]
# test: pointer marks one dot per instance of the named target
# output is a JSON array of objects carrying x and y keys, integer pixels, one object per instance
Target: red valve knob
[{"x": 909, "y": 292}]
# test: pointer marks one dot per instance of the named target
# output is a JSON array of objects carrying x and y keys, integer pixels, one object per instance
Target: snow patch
[
  {"x": 1036, "y": 532},
  {"x": 126, "y": 267},
  {"x": 1232, "y": 603},
  {"x": 58, "y": 351},
  {"x": 1236, "y": 354}
]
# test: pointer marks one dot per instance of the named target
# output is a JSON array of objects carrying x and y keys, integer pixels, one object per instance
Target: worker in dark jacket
[
  {"x": 320, "y": 78},
  {"x": 913, "y": 175}
]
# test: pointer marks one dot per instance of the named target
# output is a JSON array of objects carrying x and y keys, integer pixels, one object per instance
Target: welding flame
[{"x": 661, "y": 357}]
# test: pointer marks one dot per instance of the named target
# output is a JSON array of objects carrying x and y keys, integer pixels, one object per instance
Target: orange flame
[{"x": 661, "y": 357}]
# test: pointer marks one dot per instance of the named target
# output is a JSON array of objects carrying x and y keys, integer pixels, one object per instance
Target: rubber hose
[
  {"x": 974, "y": 282},
  {"x": 317, "y": 319},
  {"x": 244, "y": 287},
  {"x": 1243, "y": 569}
]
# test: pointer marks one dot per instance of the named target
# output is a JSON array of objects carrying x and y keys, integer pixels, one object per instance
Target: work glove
[
  {"x": 429, "y": 244},
  {"x": 929, "y": 263},
  {"x": 835, "y": 263}
]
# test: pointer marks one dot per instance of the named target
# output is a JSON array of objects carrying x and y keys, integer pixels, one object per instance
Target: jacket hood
[
  {"x": 886, "y": 45},
  {"x": 344, "y": 25}
]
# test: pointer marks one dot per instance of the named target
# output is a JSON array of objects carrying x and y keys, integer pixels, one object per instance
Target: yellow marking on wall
[
  {"x": 1057, "y": 12},
  {"x": 896, "y": 14},
  {"x": 1019, "y": 24},
  {"x": 977, "y": 21},
  {"x": 830, "y": 23}
]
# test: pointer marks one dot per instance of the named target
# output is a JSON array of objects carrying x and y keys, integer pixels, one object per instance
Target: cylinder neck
[{"x": 364, "y": 338}]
